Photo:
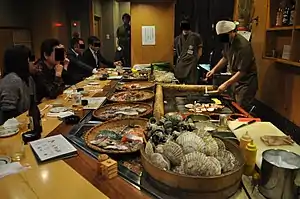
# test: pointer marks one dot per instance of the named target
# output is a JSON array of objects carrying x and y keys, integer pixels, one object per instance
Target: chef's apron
[
  {"x": 124, "y": 41},
  {"x": 245, "y": 89},
  {"x": 187, "y": 53}
]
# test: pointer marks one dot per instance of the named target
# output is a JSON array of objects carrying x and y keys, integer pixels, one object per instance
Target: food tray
[
  {"x": 113, "y": 125},
  {"x": 145, "y": 95},
  {"x": 99, "y": 113},
  {"x": 142, "y": 85}
]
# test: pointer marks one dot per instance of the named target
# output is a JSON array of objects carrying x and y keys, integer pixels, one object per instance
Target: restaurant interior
[{"x": 166, "y": 99}]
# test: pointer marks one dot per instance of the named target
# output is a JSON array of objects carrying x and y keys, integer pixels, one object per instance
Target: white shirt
[
  {"x": 74, "y": 52},
  {"x": 95, "y": 56}
]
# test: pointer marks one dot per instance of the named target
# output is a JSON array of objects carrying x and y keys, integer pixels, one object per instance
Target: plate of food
[
  {"x": 117, "y": 136},
  {"x": 132, "y": 96},
  {"x": 122, "y": 111},
  {"x": 139, "y": 76},
  {"x": 125, "y": 86},
  {"x": 200, "y": 108}
]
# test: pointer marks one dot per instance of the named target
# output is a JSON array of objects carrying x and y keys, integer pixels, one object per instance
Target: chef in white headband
[{"x": 239, "y": 57}]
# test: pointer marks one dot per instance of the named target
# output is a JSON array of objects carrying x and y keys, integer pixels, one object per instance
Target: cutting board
[{"x": 258, "y": 129}]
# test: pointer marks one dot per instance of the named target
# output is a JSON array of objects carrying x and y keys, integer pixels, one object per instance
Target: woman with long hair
[{"x": 16, "y": 84}]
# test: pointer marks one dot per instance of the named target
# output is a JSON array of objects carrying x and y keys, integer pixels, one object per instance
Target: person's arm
[
  {"x": 246, "y": 59},
  {"x": 9, "y": 99},
  {"x": 105, "y": 62},
  {"x": 80, "y": 64},
  {"x": 199, "y": 43},
  {"x": 220, "y": 65}
]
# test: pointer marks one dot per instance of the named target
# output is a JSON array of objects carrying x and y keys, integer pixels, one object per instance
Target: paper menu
[{"x": 52, "y": 147}]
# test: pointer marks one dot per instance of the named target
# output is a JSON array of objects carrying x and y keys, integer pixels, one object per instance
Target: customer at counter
[
  {"x": 93, "y": 57},
  {"x": 77, "y": 69},
  {"x": 16, "y": 84},
  {"x": 53, "y": 65},
  {"x": 239, "y": 57},
  {"x": 188, "y": 48}
]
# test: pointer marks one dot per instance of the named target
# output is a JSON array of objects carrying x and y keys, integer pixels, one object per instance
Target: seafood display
[
  {"x": 200, "y": 108},
  {"x": 134, "y": 86},
  {"x": 121, "y": 111},
  {"x": 131, "y": 96},
  {"x": 118, "y": 136},
  {"x": 138, "y": 76},
  {"x": 177, "y": 145},
  {"x": 164, "y": 77}
]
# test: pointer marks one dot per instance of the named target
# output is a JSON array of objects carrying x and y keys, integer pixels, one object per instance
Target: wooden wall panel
[
  {"x": 279, "y": 84},
  {"x": 161, "y": 15}
]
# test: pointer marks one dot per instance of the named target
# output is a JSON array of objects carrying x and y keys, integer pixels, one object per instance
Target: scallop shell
[
  {"x": 213, "y": 167},
  {"x": 201, "y": 133},
  {"x": 190, "y": 142},
  {"x": 159, "y": 161},
  {"x": 211, "y": 147},
  {"x": 195, "y": 156},
  {"x": 227, "y": 160},
  {"x": 149, "y": 149},
  {"x": 159, "y": 149},
  {"x": 173, "y": 152},
  {"x": 221, "y": 144},
  {"x": 178, "y": 169},
  {"x": 193, "y": 168}
]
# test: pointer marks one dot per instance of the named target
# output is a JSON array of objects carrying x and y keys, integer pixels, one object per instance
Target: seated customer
[
  {"x": 17, "y": 84},
  {"x": 49, "y": 81},
  {"x": 93, "y": 57},
  {"x": 77, "y": 69}
]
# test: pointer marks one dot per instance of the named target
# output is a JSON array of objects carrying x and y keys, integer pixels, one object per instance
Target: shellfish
[
  {"x": 190, "y": 142},
  {"x": 211, "y": 147},
  {"x": 159, "y": 161},
  {"x": 173, "y": 152},
  {"x": 195, "y": 156},
  {"x": 159, "y": 149},
  {"x": 227, "y": 160},
  {"x": 221, "y": 144},
  {"x": 149, "y": 149},
  {"x": 213, "y": 167}
]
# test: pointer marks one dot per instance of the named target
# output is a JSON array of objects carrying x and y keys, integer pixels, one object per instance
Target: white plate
[
  {"x": 8, "y": 132},
  {"x": 4, "y": 160},
  {"x": 58, "y": 110}
]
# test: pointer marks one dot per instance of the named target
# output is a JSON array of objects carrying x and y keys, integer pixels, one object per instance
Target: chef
[
  {"x": 188, "y": 49},
  {"x": 238, "y": 56}
]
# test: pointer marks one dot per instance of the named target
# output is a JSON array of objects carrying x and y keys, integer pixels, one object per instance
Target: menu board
[{"x": 53, "y": 147}]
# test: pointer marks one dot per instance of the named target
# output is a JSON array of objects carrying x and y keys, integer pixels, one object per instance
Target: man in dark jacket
[
  {"x": 93, "y": 57},
  {"x": 77, "y": 69},
  {"x": 48, "y": 80}
]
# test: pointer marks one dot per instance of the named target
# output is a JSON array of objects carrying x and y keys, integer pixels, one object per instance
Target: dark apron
[
  {"x": 124, "y": 41},
  {"x": 186, "y": 67}
]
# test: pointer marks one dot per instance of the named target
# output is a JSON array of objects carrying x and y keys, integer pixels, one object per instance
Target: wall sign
[{"x": 148, "y": 35}]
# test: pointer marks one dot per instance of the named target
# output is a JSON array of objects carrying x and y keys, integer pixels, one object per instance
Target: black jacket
[
  {"x": 77, "y": 69},
  {"x": 47, "y": 84},
  {"x": 89, "y": 59}
]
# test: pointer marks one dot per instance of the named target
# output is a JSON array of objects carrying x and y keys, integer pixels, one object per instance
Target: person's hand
[
  {"x": 223, "y": 87},
  {"x": 210, "y": 74},
  {"x": 66, "y": 63},
  {"x": 58, "y": 70}
]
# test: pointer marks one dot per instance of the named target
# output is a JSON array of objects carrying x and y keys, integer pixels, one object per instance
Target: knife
[{"x": 246, "y": 124}]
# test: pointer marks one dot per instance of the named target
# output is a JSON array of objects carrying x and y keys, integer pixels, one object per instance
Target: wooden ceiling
[{"x": 146, "y": 1}]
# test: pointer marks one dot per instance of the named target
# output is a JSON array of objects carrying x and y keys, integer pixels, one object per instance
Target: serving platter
[
  {"x": 134, "y": 85},
  {"x": 131, "y": 96},
  {"x": 122, "y": 111},
  {"x": 117, "y": 136}
]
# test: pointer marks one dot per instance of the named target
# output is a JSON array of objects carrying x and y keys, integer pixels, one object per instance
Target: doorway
[{"x": 97, "y": 26}]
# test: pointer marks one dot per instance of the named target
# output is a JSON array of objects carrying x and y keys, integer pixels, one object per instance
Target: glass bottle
[
  {"x": 286, "y": 14},
  {"x": 292, "y": 13},
  {"x": 279, "y": 15}
]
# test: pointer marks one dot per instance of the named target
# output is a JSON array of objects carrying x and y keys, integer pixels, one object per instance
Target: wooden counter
[{"x": 71, "y": 178}]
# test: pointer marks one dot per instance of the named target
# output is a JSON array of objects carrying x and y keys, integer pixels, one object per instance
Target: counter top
[{"x": 72, "y": 178}]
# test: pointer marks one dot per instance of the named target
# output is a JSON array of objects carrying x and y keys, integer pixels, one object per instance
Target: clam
[
  {"x": 159, "y": 149},
  {"x": 173, "y": 152},
  {"x": 213, "y": 167},
  {"x": 159, "y": 161},
  {"x": 195, "y": 156}
]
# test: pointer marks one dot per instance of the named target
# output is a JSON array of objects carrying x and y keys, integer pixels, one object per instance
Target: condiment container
[
  {"x": 280, "y": 174},
  {"x": 245, "y": 140},
  {"x": 250, "y": 158}
]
